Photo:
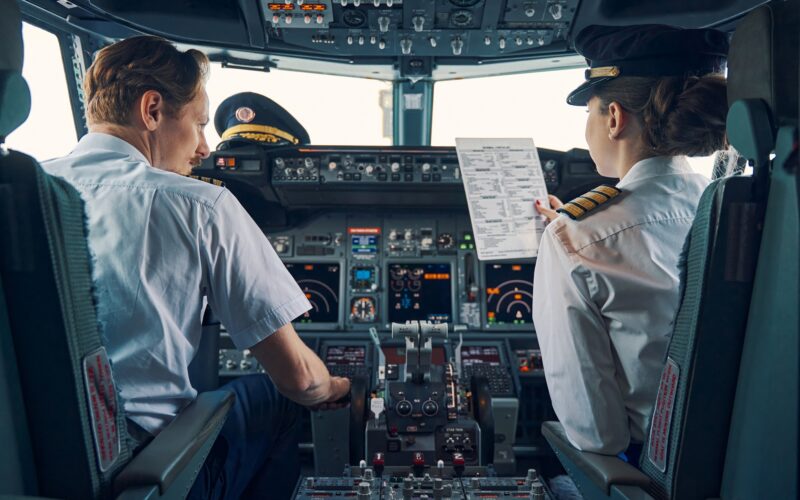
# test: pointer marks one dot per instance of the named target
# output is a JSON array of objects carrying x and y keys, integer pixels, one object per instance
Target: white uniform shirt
[
  {"x": 606, "y": 291},
  {"x": 160, "y": 243}
]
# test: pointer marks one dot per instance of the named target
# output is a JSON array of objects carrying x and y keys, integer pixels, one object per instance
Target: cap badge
[{"x": 245, "y": 114}]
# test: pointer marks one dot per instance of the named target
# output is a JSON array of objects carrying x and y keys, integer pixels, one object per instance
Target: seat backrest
[
  {"x": 685, "y": 452},
  {"x": 73, "y": 431},
  {"x": 764, "y": 440}
]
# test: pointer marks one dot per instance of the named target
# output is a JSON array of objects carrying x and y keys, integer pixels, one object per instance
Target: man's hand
[
  {"x": 340, "y": 397},
  {"x": 550, "y": 213}
]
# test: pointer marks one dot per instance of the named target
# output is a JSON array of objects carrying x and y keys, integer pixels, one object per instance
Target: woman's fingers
[
  {"x": 555, "y": 203},
  {"x": 549, "y": 213}
]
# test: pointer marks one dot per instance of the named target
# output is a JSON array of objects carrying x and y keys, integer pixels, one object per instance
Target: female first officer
[{"x": 606, "y": 284}]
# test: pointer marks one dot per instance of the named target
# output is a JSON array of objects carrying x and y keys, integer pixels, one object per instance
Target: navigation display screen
[
  {"x": 345, "y": 355},
  {"x": 320, "y": 283},
  {"x": 509, "y": 294},
  {"x": 480, "y": 355},
  {"x": 420, "y": 292}
]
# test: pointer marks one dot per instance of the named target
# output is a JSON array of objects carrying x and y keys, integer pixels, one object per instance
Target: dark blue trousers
[{"x": 256, "y": 453}]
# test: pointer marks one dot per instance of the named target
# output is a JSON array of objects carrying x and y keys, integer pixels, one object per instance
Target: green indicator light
[
  {"x": 468, "y": 237},
  {"x": 463, "y": 246}
]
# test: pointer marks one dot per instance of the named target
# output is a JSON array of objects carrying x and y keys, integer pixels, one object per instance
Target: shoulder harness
[{"x": 582, "y": 205}]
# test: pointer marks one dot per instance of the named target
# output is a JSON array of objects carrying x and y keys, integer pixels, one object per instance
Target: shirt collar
[
  {"x": 655, "y": 167},
  {"x": 94, "y": 141}
]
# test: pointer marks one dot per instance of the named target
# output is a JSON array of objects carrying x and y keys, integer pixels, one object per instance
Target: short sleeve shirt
[{"x": 160, "y": 243}]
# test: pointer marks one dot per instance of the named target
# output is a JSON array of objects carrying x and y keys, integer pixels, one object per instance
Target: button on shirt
[
  {"x": 160, "y": 243},
  {"x": 606, "y": 291}
]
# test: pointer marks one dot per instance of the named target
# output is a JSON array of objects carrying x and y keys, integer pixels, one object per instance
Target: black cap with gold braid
[
  {"x": 250, "y": 118},
  {"x": 587, "y": 202}
]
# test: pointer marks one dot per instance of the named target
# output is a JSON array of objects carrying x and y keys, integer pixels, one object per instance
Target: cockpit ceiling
[{"x": 383, "y": 39}]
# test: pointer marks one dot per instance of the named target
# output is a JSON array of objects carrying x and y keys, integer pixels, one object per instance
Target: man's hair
[{"x": 123, "y": 71}]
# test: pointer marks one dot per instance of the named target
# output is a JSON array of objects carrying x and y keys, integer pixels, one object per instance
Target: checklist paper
[{"x": 502, "y": 180}]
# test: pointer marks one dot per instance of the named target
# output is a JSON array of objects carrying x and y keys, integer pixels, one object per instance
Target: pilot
[
  {"x": 161, "y": 243},
  {"x": 607, "y": 279},
  {"x": 248, "y": 118}
]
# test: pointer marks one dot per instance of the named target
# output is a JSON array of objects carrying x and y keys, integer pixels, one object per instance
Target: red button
[
  {"x": 378, "y": 460},
  {"x": 458, "y": 460},
  {"x": 419, "y": 459}
]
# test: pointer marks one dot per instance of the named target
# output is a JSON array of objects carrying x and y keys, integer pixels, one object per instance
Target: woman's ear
[{"x": 617, "y": 120}]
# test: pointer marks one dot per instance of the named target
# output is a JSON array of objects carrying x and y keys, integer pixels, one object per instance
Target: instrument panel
[{"x": 369, "y": 271}]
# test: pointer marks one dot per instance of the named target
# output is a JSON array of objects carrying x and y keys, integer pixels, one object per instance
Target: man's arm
[{"x": 296, "y": 370}]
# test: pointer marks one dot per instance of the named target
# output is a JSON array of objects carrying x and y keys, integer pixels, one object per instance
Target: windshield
[
  {"x": 525, "y": 105},
  {"x": 333, "y": 109}
]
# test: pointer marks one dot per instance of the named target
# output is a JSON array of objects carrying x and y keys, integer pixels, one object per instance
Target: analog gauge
[
  {"x": 363, "y": 310},
  {"x": 353, "y": 18},
  {"x": 461, "y": 18},
  {"x": 445, "y": 240}
]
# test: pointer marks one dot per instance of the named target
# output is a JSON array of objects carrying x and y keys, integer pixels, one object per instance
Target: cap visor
[{"x": 581, "y": 95}]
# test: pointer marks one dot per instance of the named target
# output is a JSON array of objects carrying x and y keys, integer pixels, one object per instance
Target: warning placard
[
  {"x": 662, "y": 415},
  {"x": 101, "y": 395}
]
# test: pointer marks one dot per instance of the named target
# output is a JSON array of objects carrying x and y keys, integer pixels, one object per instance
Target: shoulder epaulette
[
  {"x": 585, "y": 203},
  {"x": 209, "y": 180}
]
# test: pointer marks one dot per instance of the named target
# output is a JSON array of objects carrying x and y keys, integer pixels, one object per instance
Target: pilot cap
[
  {"x": 651, "y": 50},
  {"x": 248, "y": 118}
]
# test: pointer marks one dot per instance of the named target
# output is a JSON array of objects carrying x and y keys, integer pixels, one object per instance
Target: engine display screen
[
  {"x": 420, "y": 292},
  {"x": 480, "y": 355},
  {"x": 345, "y": 355},
  {"x": 320, "y": 283},
  {"x": 509, "y": 294}
]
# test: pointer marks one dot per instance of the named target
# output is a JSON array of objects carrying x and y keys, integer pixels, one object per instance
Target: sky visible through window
[{"x": 336, "y": 109}]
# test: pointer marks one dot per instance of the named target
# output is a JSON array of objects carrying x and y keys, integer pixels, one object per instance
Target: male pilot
[{"x": 161, "y": 242}]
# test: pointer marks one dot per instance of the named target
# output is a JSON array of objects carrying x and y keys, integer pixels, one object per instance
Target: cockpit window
[
  {"x": 333, "y": 109},
  {"x": 525, "y": 105},
  {"x": 49, "y": 130}
]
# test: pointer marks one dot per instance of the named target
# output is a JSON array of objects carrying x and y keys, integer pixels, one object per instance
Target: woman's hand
[{"x": 549, "y": 213}]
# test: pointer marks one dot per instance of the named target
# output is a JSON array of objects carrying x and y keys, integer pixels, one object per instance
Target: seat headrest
[
  {"x": 762, "y": 61},
  {"x": 15, "y": 97}
]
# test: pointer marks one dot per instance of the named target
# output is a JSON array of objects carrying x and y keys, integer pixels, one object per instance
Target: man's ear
[
  {"x": 151, "y": 109},
  {"x": 617, "y": 120}
]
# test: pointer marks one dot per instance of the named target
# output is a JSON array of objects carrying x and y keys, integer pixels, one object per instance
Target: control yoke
[{"x": 419, "y": 347}]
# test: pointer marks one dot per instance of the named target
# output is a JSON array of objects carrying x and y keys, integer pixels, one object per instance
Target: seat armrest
[
  {"x": 603, "y": 470},
  {"x": 165, "y": 457}
]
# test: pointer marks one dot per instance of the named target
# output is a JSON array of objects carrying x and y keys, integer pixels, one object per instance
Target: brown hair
[
  {"x": 123, "y": 71},
  {"x": 679, "y": 115}
]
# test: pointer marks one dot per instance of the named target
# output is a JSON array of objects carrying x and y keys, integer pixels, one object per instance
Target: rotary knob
[
  {"x": 430, "y": 408},
  {"x": 404, "y": 408}
]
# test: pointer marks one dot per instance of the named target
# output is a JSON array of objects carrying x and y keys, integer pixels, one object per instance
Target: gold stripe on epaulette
[
  {"x": 585, "y": 202},
  {"x": 208, "y": 180},
  {"x": 596, "y": 197},
  {"x": 609, "y": 191},
  {"x": 572, "y": 211},
  {"x": 580, "y": 206}
]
